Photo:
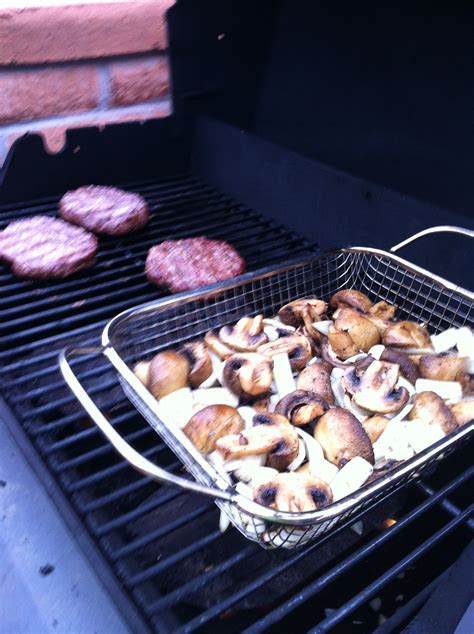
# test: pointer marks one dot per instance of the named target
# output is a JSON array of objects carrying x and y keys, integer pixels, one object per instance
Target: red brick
[
  {"x": 138, "y": 81},
  {"x": 55, "y": 135},
  {"x": 35, "y": 35},
  {"x": 41, "y": 93}
]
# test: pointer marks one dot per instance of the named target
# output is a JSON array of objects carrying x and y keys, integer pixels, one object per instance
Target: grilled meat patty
[
  {"x": 104, "y": 209},
  {"x": 182, "y": 265},
  {"x": 42, "y": 247}
]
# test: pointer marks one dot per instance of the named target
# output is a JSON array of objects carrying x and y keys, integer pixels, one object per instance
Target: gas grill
[{"x": 237, "y": 161}]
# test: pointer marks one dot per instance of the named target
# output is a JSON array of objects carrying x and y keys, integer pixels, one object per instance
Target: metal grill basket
[{"x": 141, "y": 332}]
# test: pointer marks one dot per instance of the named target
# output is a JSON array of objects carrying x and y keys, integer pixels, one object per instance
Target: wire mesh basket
[{"x": 141, "y": 332}]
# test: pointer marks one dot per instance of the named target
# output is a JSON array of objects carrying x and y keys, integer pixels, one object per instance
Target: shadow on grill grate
[{"x": 164, "y": 546}]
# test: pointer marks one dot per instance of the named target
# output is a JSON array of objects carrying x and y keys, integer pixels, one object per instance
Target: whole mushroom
[
  {"x": 248, "y": 374},
  {"x": 200, "y": 362},
  {"x": 361, "y": 330},
  {"x": 316, "y": 378},
  {"x": 342, "y": 437},
  {"x": 168, "y": 372},
  {"x": 351, "y": 298},
  {"x": 301, "y": 407},
  {"x": 296, "y": 346},
  {"x": 210, "y": 424},
  {"x": 376, "y": 389},
  {"x": 246, "y": 336},
  {"x": 294, "y": 492}
]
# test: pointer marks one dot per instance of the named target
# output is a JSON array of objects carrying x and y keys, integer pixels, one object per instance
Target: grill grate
[{"x": 163, "y": 545}]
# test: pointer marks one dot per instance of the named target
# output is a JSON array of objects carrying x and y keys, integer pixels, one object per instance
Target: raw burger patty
[
  {"x": 43, "y": 247},
  {"x": 182, "y": 265},
  {"x": 104, "y": 209}
]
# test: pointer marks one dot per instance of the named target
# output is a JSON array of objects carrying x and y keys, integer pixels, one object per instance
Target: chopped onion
[
  {"x": 261, "y": 475},
  {"x": 421, "y": 434},
  {"x": 282, "y": 375},
  {"x": 247, "y": 414},
  {"x": 336, "y": 385},
  {"x": 403, "y": 382},
  {"x": 350, "y": 477},
  {"x": 445, "y": 340},
  {"x": 376, "y": 351},
  {"x": 214, "y": 396},
  {"x": 393, "y": 443},
  {"x": 359, "y": 412},
  {"x": 271, "y": 332},
  {"x": 176, "y": 408},
  {"x": 243, "y": 467},
  {"x": 322, "y": 326},
  {"x": 357, "y": 357},
  {"x": 445, "y": 389},
  {"x": 465, "y": 343},
  {"x": 318, "y": 465}
]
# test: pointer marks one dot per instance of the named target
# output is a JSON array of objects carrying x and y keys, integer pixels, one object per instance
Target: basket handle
[
  {"x": 120, "y": 444},
  {"x": 441, "y": 229}
]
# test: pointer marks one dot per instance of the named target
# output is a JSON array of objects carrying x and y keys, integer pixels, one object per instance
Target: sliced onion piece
[
  {"x": 402, "y": 414},
  {"x": 318, "y": 465},
  {"x": 282, "y": 375},
  {"x": 403, "y": 382},
  {"x": 276, "y": 322},
  {"x": 176, "y": 408},
  {"x": 299, "y": 458},
  {"x": 271, "y": 332},
  {"x": 336, "y": 385},
  {"x": 446, "y": 389},
  {"x": 243, "y": 468},
  {"x": 421, "y": 435},
  {"x": 213, "y": 396},
  {"x": 357, "y": 357},
  {"x": 359, "y": 412},
  {"x": 322, "y": 326},
  {"x": 351, "y": 477},
  {"x": 247, "y": 414},
  {"x": 376, "y": 351}
]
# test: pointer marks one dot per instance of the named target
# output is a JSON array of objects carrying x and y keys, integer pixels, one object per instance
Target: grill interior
[{"x": 177, "y": 571}]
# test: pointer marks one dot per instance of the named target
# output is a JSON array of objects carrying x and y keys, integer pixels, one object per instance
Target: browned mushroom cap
[
  {"x": 287, "y": 450},
  {"x": 375, "y": 389},
  {"x": 210, "y": 424},
  {"x": 382, "y": 310},
  {"x": 141, "y": 371},
  {"x": 408, "y": 368},
  {"x": 360, "y": 329},
  {"x": 296, "y": 346},
  {"x": 431, "y": 409},
  {"x": 301, "y": 407},
  {"x": 407, "y": 334},
  {"x": 375, "y": 426},
  {"x": 169, "y": 371},
  {"x": 329, "y": 356},
  {"x": 217, "y": 346},
  {"x": 248, "y": 374},
  {"x": 352, "y": 299},
  {"x": 276, "y": 435},
  {"x": 200, "y": 362},
  {"x": 316, "y": 378},
  {"x": 442, "y": 367},
  {"x": 293, "y": 314},
  {"x": 294, "y": 493},
  {"x": 341, "y": 344},
  {"x": 342, "y": 437},
  {"x": 246, "y": 336},
  {"x": 463, "y": 412}
]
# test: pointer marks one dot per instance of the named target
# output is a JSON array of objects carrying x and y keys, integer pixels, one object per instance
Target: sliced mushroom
[
  {"x": 443, "y": 367},
  {"x": 294, "y": 492},
  {"x": 407, "y": 334},
  {"x": 350, "y": 478},
  {"x": 169, "y": 371},
  {"x": 351, "y": 299},
  {"x": 342, "y": 437},
  {"x": 430, "y": 408},
  {"x": 217, "y": 346},
  {"x": 382, "y": 310},
  {"x": 301, "y": 407},
  {"x": 463, "y": 412},
  {"x": 288, "y": 450},
  {"x": 408, "y": 368},
  {"x": 316, "y": 378},
  {"x": 200, "y": 362},
  {"x": 375, "y": 426},
  {"x": 210, "y": 424},
  {"x": 341, "y": 344},
  {"x": 141, "y": 371},
  {"x": 375, "y": 390},
  {"x": 248, "y": 374},
  {"x": 329, "y": 356},
  {"x": 246, "y": 336},
  {"x": 296, "y": 346},
  {"x": 293, "y": 314},
  {"x": 360, "y": 329}
]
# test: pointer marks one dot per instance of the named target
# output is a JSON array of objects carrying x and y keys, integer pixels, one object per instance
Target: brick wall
[{"x": 80, "y": 63}]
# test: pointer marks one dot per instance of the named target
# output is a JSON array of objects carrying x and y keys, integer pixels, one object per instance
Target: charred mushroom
[
  {"x": 246, "y": 336},
  {"x": 431, "y": 409},
  {"x": 217, "y": 346},
  {"x": 210, "y": 424},
  {"x": 407, "y": 334},
  {"x": 443, "y": 367},
  {"x": 342, "y": 437},
  {"x": 296, "y": 346},
  {"x": 141, "y": 371},
  {"x": 463, "y": 412},
  {"x": 294, "y": 313},
  {"x": 375, "y": 426},
  {"x": 351, "y": 299},
  {"x": 248, "y": 374},
  {"x": 360, "y": 329},
  {"x": 294, "y": 492},
  {"x": 408, "y": 368},
  {"x": 200, "y": 362},
  {"x": 169, "y": 371},
  {"x": 316, "y": 378},
  {"x": 375, "y": 390},
  {"x": 301, "y": 407}
]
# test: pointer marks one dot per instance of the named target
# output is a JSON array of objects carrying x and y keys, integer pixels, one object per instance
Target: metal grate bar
[{"x": 445, "y": 504}]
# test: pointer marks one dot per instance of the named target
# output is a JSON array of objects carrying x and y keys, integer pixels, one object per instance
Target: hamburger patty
[
  {"x": 43, "y": 247},
  {"x": 182, "y": 265},
  {"x": 104, "y": 209}
]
